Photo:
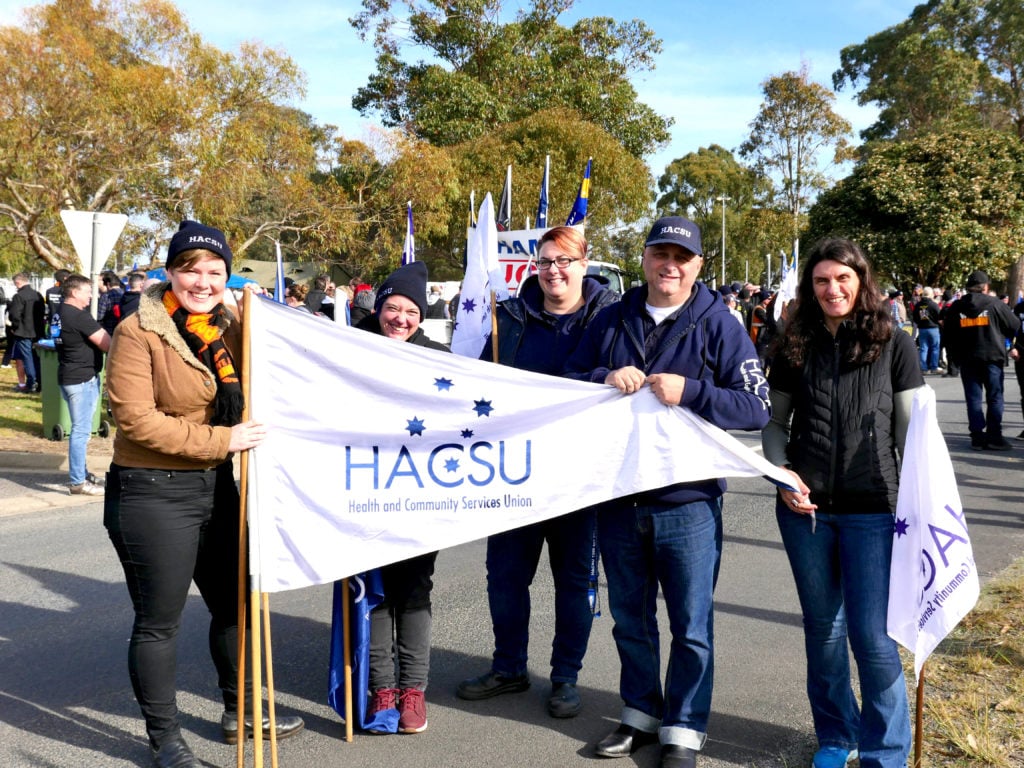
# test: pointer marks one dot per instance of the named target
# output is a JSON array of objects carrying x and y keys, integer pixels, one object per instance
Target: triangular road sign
[{"x": 80, "y": 226}]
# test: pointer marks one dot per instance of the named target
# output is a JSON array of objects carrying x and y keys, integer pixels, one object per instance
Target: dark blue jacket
[
  {"x": 532, "y": 339},
  {"x": 704, "y": 343}
]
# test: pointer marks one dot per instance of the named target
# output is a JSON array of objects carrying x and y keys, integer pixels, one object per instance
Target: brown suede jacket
[{"x": 161, "y": 395}]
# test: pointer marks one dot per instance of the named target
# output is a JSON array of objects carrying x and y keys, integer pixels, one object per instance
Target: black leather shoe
[
  {"x": 564, "y": 700},
  {"x": 175, "y": 754},
  {"x": 624, "y": 741},
  {"x": 490, "y": 685},
  {"x": 674, "y": 756},
  {"x": 284, "y": 727}
]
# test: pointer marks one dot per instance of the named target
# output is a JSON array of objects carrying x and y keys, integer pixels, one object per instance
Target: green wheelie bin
[{"x": 56, "y": 418}]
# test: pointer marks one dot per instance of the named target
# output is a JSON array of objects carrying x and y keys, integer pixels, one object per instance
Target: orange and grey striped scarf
[{"x": 204, "y": 335}]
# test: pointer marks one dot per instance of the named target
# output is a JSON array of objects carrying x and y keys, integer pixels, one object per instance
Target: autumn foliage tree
[{"x": 121, "y": 107}]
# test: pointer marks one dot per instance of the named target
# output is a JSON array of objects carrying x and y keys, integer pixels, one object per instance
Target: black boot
[
  {"x": 284, "y": 727},
  {"x": 174, "y": 753}
]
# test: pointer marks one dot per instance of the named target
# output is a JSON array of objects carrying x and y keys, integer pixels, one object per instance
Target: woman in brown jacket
[{"x": 172, "y": 505}]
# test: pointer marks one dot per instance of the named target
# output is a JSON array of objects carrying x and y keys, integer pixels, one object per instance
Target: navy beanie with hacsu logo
[
  {"x": 409, "y": 280},
  {"x": 675, "y": 229},
  {"x": 192, "y": 235}
]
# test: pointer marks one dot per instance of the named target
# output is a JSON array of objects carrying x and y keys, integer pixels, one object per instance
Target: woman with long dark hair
[{"x": 842, "y": 383}]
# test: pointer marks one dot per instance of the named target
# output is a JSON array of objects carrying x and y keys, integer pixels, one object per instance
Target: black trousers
[{"x": 171, "y": 528}]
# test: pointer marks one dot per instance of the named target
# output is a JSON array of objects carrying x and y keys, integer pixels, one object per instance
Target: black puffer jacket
[{"x": 842, "y": 441}]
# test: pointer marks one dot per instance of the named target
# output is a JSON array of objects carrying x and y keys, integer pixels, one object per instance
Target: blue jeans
[
  {"x": 81, "y": 400},
  {"x": 842, "y": 579},
  {"x": 512, "y": 559},
  {"x": 24, "y": 351},
  {"x": 679, "y": 548},
  {"x": 977, "y": 376},
  {"x": 928, "y": 348}
]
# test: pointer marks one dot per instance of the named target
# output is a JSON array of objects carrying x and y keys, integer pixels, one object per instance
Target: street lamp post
[{"x": 723, "y": 200}]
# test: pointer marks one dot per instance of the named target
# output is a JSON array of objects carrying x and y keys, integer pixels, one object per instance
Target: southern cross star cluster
[{"x": 417, "y": 426}]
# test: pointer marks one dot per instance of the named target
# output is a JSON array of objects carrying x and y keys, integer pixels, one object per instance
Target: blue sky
[{"x": 715, "y": 54}]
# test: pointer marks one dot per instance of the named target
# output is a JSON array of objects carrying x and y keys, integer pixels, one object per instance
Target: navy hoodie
[
  {"x": 703, "y": 342},
  {"x": 532, "y": 339}
]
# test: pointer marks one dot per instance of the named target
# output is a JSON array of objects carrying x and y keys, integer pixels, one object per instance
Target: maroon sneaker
[
  {"x": 412, "y": 709},
  {"x": 383, "y": 699}
]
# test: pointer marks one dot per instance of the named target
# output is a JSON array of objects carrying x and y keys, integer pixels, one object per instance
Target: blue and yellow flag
[{"x": 578, "y": 215}]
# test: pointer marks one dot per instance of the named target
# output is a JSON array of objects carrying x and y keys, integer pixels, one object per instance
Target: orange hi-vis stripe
[{"x": 973, "y": 322}]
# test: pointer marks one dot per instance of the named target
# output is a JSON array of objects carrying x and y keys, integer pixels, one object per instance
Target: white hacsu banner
[
  {"x": 379, "y": 450},
  {"x": 933, "y": 580}
]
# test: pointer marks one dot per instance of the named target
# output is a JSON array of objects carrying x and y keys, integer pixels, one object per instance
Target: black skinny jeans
[{"x": 170, "y": 528}]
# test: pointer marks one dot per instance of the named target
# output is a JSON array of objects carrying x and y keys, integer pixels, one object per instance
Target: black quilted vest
[{"x": 842, "y": 439}]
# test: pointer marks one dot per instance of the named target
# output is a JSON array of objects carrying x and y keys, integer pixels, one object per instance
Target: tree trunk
[{"x": 1015, "y": 280}]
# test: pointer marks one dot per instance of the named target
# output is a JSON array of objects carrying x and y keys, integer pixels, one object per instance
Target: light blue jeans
[
  {"x": 81, "y": 400},
  {"x": 842, "y": 579}
]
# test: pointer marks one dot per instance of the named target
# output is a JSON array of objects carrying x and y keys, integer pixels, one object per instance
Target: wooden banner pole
[
  {"x": 346, "y": 628},
  {"x": 257, "y": 683},
  {"x": 243, "y": 542},
  {"x": 494, "y": 328},
  {"x": 270, "y": 682},
  {"x": 919, "y": 719}
]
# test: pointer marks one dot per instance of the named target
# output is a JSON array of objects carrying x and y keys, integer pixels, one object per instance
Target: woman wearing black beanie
[{"x": 400, "y": 626}]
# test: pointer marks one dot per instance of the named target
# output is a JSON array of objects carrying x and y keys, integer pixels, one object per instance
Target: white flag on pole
[
  {"x": 379, "y": 450},
  {"x": 788, "y": 287},
  {"x": 484, "y": 274},
  {"x": 933, "y": 580}
]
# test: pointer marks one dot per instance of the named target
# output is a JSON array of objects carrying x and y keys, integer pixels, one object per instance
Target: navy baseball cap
[{"x": 678, "y": 230}]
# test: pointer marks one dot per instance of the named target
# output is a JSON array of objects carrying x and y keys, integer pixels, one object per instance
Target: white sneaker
[{"x": 86, "y": 488}]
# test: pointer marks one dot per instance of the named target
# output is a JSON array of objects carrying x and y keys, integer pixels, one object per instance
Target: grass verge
[
  {"x": 20, "y": 414},
  {"x": 974, "y": 683}
]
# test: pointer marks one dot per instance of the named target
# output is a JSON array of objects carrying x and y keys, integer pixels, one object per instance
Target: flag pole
[
  {"x": 494, "y": 327},
  {"x": 919, "y": 718},
  {"x": 265, "y": 599},
  {"x": 346, "y": 626},
  {"x": 243, "y": 537},
  {"x": 257, "y": 684},
  {"x": 254, "y": 596}
]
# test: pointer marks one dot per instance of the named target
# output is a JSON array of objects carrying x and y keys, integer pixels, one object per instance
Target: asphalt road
[{"x": 65, "y": 698}]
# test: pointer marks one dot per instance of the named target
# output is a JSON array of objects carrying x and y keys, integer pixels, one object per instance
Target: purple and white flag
[
  {"x": 484, "y": 274},
  {"x": 933, "y": 579}
]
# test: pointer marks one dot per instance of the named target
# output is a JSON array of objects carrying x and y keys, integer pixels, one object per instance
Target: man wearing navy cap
[{"x": 674, "y": 335}]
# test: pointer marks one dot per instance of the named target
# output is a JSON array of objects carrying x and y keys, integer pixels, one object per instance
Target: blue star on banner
[
  {"x": 467, "y": 434},
  {"x": 443, "y": 385},
  {"x": 469, "y": 305},
  {"x": 451, "y": 465},
  {"x": 415, "y": 426},
  {"x": 482, "y": 407},
  {"x": 901, "y": 526}
]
